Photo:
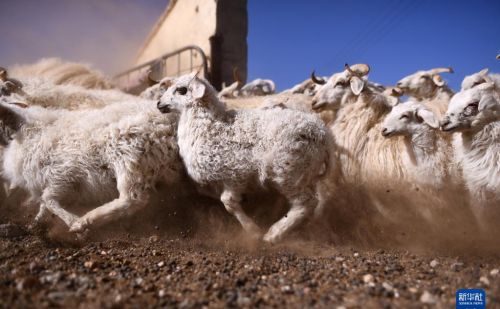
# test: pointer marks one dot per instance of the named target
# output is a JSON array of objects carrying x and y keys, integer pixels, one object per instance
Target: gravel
[{"x": 193, "y": 272}]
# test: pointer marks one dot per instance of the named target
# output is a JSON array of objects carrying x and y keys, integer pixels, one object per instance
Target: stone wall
[{"x": 218, "y": 27}]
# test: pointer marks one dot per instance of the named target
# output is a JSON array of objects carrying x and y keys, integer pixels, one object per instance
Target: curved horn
[
  {"x": 20, "y": 104},
  {"x": 441, "y": 70},
  {"x": 359, "y": 69},
  {"x": 317, "y": 80},
  {"x": 151, "y": 80},
  {"x": 348, "y": 68}
]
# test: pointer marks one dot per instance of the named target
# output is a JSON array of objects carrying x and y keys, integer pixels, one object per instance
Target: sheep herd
[{"x": 345, "y": 153}]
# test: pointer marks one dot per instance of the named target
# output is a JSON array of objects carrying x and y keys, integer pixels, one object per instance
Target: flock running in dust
[{"x": 338, "y": 149}]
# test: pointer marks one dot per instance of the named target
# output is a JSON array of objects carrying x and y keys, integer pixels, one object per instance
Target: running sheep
[
  {"x": 230, "y": 150},
  {"x": 112, "y": 156}
]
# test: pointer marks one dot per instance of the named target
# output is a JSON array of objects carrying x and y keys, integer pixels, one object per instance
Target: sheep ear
[
  {"x": 486, "y": 86},
  {"x": 198, "y": 90},
  {"x": 357, "y": 85},
  {"x": 438, "y": 80},
  {"x": 483, "y": 72},
  {"x": 487, "y": 102},
  {"x": 428, "y": 117},
  {"x": 165, "y": 83}
]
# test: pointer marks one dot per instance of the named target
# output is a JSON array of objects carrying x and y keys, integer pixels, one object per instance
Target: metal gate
[{"x": 176, "y": 63}]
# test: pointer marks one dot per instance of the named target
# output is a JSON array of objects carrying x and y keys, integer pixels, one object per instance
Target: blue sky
[{"x": 286, "y": 40}]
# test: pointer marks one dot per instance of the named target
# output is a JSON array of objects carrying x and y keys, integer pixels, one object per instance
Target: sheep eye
[
  {"x": 471, "y": 109},
  {"x": 181, "y": 90},
  {"x": 404, "y": 117},
  {"x": 424, "y": 77},
  {"x": 340, "y": 83}
]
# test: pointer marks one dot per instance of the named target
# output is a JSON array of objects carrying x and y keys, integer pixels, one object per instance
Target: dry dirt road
[{"x": 191, "y": 272}]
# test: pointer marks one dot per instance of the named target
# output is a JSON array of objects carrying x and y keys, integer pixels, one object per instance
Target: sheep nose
[
  {"x": 443, "y": 123},
  {"x": 164, "y": 108},
  {"x": 384, "y": 132}
]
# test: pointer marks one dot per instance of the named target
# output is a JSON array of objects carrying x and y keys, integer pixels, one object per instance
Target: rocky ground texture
[{"x": 192, "y": 272}]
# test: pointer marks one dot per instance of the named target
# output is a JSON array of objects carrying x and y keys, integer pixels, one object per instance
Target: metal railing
[{"x": 135, "y": 80}]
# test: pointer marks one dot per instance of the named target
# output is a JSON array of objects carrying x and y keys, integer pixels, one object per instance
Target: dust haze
[{"x": 105, "y": 34}]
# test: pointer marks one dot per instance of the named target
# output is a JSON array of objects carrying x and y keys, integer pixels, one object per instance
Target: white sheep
[
  {"x": 42, "y": 92},
  {"x": 429, "y": 88},
  {"x": 428, "y": 163},
  {"x": 475, "y": 114},
  {"x": 113, "y": 155},
  {"x": 257, "y": 87},
  {"x": 60, "y": 72},
  {"x": 426, "y": 153},
  {"x": 310, "y": 86},
  {"x": 230, "y": 150},
  {"x": 372, "y": 182},
  {"x": 480, "y": 77}
]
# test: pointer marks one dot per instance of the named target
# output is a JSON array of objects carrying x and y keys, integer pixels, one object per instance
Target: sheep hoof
[
  {"x": 79, "y": 226},
  {"x": 82, "y": 236},
  {"x": 271, "y": 238}
]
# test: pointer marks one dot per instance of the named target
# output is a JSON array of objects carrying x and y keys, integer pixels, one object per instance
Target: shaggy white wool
[
  {"x": 229, "y": 150},
  {"x": 62, "y": 156}
]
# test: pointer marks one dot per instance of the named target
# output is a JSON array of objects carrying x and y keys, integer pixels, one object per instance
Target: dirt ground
[{"x": 196, "y": 271}]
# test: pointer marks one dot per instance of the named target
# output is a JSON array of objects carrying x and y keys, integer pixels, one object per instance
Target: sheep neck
[
  {"x": 442, "y": 93},
  {"x": 420, "y": 145},
  {"x": 488, "y": 136}
]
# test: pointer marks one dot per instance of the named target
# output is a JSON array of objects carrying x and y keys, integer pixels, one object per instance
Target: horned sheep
[
  {"x": 429, "y": 88},
  {"x": 474, "y": 113}
]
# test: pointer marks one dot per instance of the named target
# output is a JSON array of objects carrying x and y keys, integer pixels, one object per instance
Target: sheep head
[
  {"x": 475, "y": 79},
  {"x": 340, "y": 86},
  {"x": 423, "y": 84},
  {"x": 472, "y": 109},
  {"x": 186, "y": 92},
  {"x": 407, "y": 119},
  {"x": 156, "y": 91},
  {"x": 8, "y": 85}
]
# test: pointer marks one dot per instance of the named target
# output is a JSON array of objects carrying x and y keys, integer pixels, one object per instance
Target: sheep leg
[
  {"x": 231, "y": 201},
  {"x": 52, "y": 205},
  {"x": 129, "y": 201},
  {"x": 302, "y": 206}
]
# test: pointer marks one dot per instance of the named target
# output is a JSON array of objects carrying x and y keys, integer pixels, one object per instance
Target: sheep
[
  {"x": 60, "y": 72},
  {"x": 310, "y": 86},
  {"x": 257, "y": 87},
  {"x": 372, "y": 180},
  {"x": 41, "y": 91},
  {"x": 474, "y": 114},
  {"x": 429, "y": 88},
  {"x": 229, "y": 150},
  {"x": 426, "y": 153},
  {"x": 114, "y": 155},
  {"x": 427, "y": 158},
  {"x": 478, "y": 78},
  {"x": 156, "y": 88}
]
